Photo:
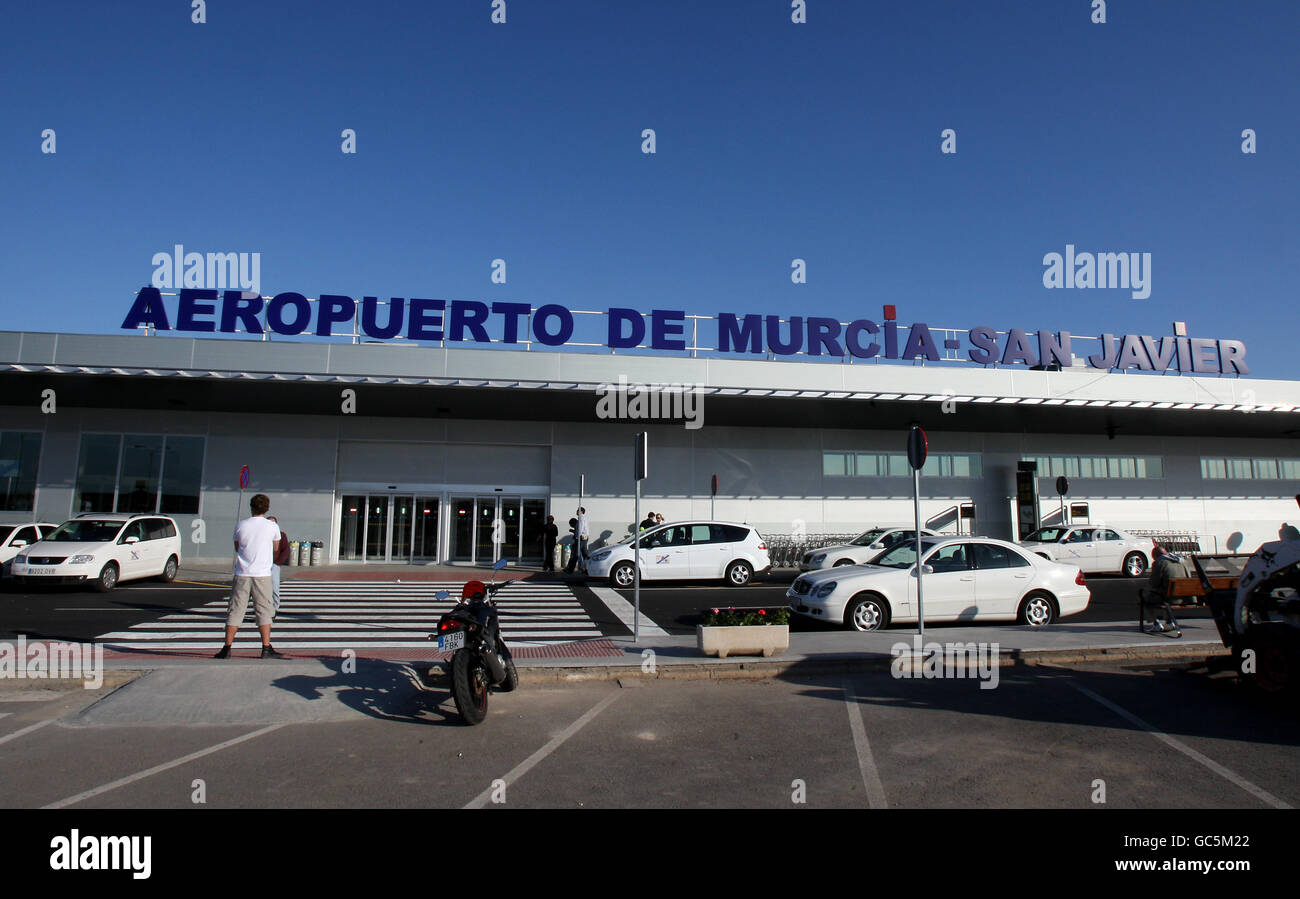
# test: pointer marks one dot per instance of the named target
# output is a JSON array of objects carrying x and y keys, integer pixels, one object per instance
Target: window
[
  {"x": 19, "y": 453},
  {"x": 97, "y": 473},
  {"x": 137, "y": 481},
  {"x": 727, "y": 533},
  {"x": 895, "y": 465},
  {"x": 700, "y": 534},
  {"x": 27, "y": 534},
  {"x": 1265, "y": 468},
  {"x": 836, "y": 464},
  {"x": 989, "y": 555},
  {"x": 182, "y": 475},
  {"x": 1100, "y": 466},
  {"x": 951, "y": 557},
  {"x": 139, "y": 473}
]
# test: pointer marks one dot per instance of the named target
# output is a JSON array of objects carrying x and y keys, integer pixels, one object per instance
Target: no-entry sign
[{"x": 243, "y": 478}]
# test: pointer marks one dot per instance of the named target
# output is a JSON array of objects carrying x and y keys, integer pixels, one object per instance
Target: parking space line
[
  {"x": 527, "y": 764},
  {"x": 1258, "y": 792},
  {"x": 866, "y": 761},
  {"x": 26, "y": 730},
  {"x": 141, "y": 775},
  {"x": 625, "y": 612}
]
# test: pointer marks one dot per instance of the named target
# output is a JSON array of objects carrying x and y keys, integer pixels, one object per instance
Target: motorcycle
[{"x": 480, "y": 660}]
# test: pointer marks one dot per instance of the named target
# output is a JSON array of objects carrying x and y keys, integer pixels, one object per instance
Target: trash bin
[
  {"x": 304, "y": 553},
  {"x": 318, "y": 553},
  {"x": 565, "y": 550},
  {"x": 557, "y": 557},
  {"x": 293, "y": 553}
]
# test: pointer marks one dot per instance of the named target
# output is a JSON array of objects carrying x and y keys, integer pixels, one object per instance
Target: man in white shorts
[{"x": 255, "y": 540}]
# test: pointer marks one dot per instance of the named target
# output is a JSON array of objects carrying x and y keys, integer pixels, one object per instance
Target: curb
[{"x": 753, "y": 670}]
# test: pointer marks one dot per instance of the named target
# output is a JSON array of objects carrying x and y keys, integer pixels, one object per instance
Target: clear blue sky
[{"x": 775, "y": 141}]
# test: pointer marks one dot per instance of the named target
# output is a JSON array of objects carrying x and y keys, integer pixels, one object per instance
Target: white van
[{"x": 102, "y": 550}]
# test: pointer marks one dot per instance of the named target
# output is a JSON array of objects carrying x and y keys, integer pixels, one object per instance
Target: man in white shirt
[{"x": 255, "y": 540}]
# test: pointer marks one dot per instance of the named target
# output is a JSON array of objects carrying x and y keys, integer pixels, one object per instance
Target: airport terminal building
[{"x": 438, "y": 449}]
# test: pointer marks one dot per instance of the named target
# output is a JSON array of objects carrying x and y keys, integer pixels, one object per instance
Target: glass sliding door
[
  {"x": 351, "y": 529},
  {"x": 424, "y": 546},
  {"x": 534, "y": 520},
  {"x": 376, "y": 549},
  {"x": 461, "y": 525}
]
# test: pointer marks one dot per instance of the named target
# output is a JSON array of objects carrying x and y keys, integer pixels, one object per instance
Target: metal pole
[
  {"x": 636, "y": 568},
  {"x": 916, "y": 508}
]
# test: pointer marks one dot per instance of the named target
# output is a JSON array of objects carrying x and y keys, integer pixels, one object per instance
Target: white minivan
[
  {"x": 686, "y": 550},
  {"x": 102, "y": 550}
]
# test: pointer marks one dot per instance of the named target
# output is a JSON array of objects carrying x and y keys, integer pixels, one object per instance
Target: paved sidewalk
[{"x": 677, "y": 656}]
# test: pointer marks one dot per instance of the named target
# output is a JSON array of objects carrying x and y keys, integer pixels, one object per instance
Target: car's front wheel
[
  {"x": 169, "y": 570},
  {"x": 107, "y": 579},
  {"x": 1037, "y": 610},
  {"x": 867, "y": 612},
  {"x": 739, "y": 574},
  {"x": 622, "y": 575}
]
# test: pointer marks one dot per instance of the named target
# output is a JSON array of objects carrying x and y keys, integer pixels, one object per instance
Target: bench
[{"x": 1222, "y": 573}]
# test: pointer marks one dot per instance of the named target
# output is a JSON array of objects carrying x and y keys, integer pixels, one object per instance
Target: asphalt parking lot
[{"x": 1164, "y": 736}]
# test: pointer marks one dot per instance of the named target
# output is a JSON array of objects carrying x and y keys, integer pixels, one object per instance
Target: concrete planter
[{"x": 762, "y": 639}]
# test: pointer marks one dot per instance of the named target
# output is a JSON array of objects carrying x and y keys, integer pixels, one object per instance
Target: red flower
[
  {"x": 714, "y": 611},
  {"x": 762, "y": 611}
]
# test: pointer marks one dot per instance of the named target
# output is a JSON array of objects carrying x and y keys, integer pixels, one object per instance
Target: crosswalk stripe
[{"x": 339, "y": 614}]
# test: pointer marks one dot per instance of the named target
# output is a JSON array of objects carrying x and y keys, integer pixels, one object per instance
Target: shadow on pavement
[
  {"x": 1179, "y": 698},
  {"x": 390, "y": 691}
]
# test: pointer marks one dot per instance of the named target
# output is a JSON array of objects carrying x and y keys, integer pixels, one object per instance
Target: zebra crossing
[{"x": 337, "y": 614}]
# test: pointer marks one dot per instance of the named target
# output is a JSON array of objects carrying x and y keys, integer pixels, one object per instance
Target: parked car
[
  {"x": 861, "y": 549},
  {"x": 686, "y": 550},
  {"x": 102, "y": 550},
  {"x": 13, "y": 537},
  {"x": 1094, "y": 549},
  {"x": 965, "y": 579}
]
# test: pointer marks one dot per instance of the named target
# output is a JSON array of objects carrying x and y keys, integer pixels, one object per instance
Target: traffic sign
[
  {"x": 1062, "y": 485},
  {"x": 917, "y": 447},
  {"x": 715, "y": 485},
  {"x": 243, "y": 478}
]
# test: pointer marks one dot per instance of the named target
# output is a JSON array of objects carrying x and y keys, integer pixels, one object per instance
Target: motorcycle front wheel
[{"x": 469, "y": 686}]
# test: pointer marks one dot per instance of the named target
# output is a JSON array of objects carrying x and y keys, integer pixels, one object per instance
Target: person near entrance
[
  {"x": 255, "y": 539},
  {"x": 282, "y": 548},
  {"x": 580, "y": 535},
  {"x": 550, "y": 534},
  {"x": 649, "y": 521}
]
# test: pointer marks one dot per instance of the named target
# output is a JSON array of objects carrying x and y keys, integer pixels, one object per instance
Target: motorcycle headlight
[
  {"x": 819, "y": 558},
  {"x": 824, "y": 590},
  {"x": 80, "y": 560}
]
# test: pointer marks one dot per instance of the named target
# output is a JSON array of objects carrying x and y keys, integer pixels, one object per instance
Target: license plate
[
  {"x": 40, "y": 571},
  {"x": 452, "y": 641}
]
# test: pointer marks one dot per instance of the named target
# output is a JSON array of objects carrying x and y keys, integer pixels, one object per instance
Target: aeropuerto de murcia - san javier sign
[{"x": 417, "y": 319}]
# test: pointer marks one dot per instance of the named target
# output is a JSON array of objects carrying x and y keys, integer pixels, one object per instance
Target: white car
[
  {"x": 860, "y": 550},
  {"x": 965, "y": 579},
  {"x": 686, "y": 550},
  {"x": 13, "y": 537},
  {"x": 102, "y": 550},
  {"x": 1093, "y": 548}
]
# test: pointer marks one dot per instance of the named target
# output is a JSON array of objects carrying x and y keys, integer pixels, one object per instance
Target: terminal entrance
[
  {"x": 486, "y": 528},
  {"x": 414, "y": 528}
]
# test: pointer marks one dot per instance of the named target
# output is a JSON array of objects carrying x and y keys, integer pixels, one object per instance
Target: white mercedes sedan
[
  {"x": 860, "y": 550},
  {"x": 1094, "y": 549},
  {"x": 963, "y": 579}
]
